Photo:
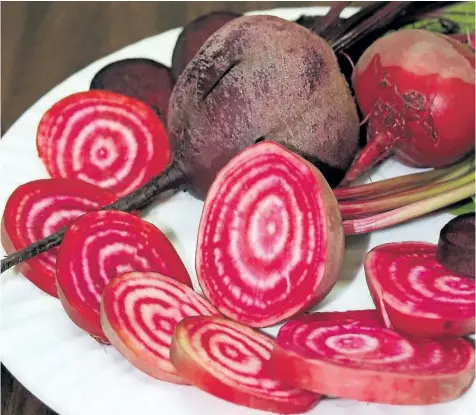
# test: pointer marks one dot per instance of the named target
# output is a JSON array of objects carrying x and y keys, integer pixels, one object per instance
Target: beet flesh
[
  {"x": 267, "y": 250},
  {"x": 342, "y": 355},
  {"x": 416, "y": 295},
  {"x": 262, "y": 78},
  {"x": 229, "y": 361}
]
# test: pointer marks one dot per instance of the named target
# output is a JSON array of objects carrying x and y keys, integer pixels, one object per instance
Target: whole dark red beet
[
  {"x": 194, "y": 35},
  {"x": 262, "y": 77}
]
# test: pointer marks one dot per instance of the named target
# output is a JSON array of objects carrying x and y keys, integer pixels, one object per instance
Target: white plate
[{"x": 72, "y": 373}]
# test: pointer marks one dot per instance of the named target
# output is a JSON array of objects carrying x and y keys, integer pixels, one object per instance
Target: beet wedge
[
  {"x": 229, "y": 361},
  {"x": 139, "y": 313},
  {"x": 100, "y": 246},
  {"x": 416, "y": 295},
  {"x": 39, "y": 208},
  {"x": 352, "y": 355},
  {"x": 110, "y": 140},
  {"x": 270, "y": 240}
]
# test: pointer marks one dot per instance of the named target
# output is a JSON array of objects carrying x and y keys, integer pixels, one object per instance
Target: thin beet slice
[
  {"x": 39, "y": 208},
  {"x": 103, "y": 138},
  {"x": 416, "y": 295},
  {"x": 344, "y": 355},
  {"x": 139, "y": 313},
  {"x": 144, "y": 79},
  {"x": 100, "y": 246},
  {"x": 229, "y": 361},
  {"x": 270, "y": 240},
  {"x": 456, "y": 245}
]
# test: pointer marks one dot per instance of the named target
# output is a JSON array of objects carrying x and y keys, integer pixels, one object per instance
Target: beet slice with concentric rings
[
  {"x": 139, "y": 313},
  {"x": 416, "y": 295},
  {"x": 270, "y": 240},
  {"x": 230, "y": 361},
  {"x": 100, "y": 246},
  {"x": 352, "y": 355},
  {"x": 40, "y": 208},
  {"x": 107, "y": 139}
]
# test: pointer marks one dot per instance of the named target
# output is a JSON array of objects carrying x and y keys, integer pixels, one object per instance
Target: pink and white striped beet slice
[
  {"x": 40, "y": 208},
  {"x": 416, "y": 295},
  {"x": 230, "y": 361},
  {"x": 139, "y": 313},
  {"x": 270, "y": 240},
  {"x": 352, "y": 355},
  {"x": 100, "y": 246},
  {"x": 104, "y": 138}
]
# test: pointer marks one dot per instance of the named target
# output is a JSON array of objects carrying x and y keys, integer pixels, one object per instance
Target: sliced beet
[
  {"x": 267, "y": 249},
  {"x": 113, "y": 141},
  {"x": 344, "y": 355},
  {"x": 139, "y": 313},
  {"x": 100, "y": 246},
  {"x": 229, "y": 361},
  {"x": 39, "y": 208},
  {"x": 416, "y": 295},
  {"x": 456, "y": 245},
  {"x": 144, "y": 79}
]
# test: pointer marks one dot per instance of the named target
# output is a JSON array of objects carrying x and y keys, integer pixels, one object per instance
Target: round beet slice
[
  {"x": 39, "y": 208},
  {"x": 344, "y": 355},
  {"x": 139, "y": 313},
  {"x": 270, "y": 241},
  {"x": 229, "y": 361},
  {"x": 141, "y": 78},
  {"x": 416, "y": 295},
  {"x": 100, "y": 246},
  {"x": 110, "y": 140}
]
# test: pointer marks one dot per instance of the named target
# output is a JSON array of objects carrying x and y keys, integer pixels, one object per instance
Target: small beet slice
[
  {"x": 456, "y": 245},
  {"x": 144, "y": 79},
  {"x": 268, "y": 249},
  {"x": 39, "y": 208},
  {"x": 229, "y": 361},
  {"x": 344, "y": 355},
  {"x": 100, "y": 246},
  {"x": 416, "y": 295},
  {"x": 110, "y": 140},
  {"x": 139, "y": 313}
]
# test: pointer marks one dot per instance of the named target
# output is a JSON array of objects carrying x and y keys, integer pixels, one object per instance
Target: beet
[
  {"x": 416, "y": 295},
  {"x": 342, "y": 355},
  {"x": 456, "y": 245},
  {"x": 139, "y": 313},
  {"x": 39, "y": 208},
  {"x": 144, "y": 79},
  {"x": 194, "y": 35},
  {"x": 100, "y": 246},
  {"x": 112, "y": 141},
  {"x": 267, "y": 250},
  {"x": 229, "y": 361}
]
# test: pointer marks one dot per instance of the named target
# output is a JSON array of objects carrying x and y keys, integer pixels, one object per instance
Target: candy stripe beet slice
[
  {"x": 39, "y": 208},
  {"x": 347, "y": 356},
  {"x": 229, "y": 361},
  {"x": 107, "y": 139},
  {"x": 416, "y": 295},
  {"x": 139, "y": 313},
  {"x": 270, "y": 241},
  {"x": 100, "y": 246}
]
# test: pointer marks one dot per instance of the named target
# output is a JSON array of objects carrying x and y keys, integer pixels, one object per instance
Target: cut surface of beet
[
  {"x": 344, "y": 355},
  {"x": 416, "y": 295},
  {"x": 39, "y": 208},
  {"x": 100, "y": 246},
  {"x": 229, "y": 361},
  {"x": 144, "y": 79},
  {"x": 110, "y": 140},
  {"x": 139, "y": 313},
  {"x": 270, "y": 239}
]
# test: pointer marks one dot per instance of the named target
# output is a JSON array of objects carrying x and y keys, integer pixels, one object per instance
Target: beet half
[{"x": 344, "y": 355}]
